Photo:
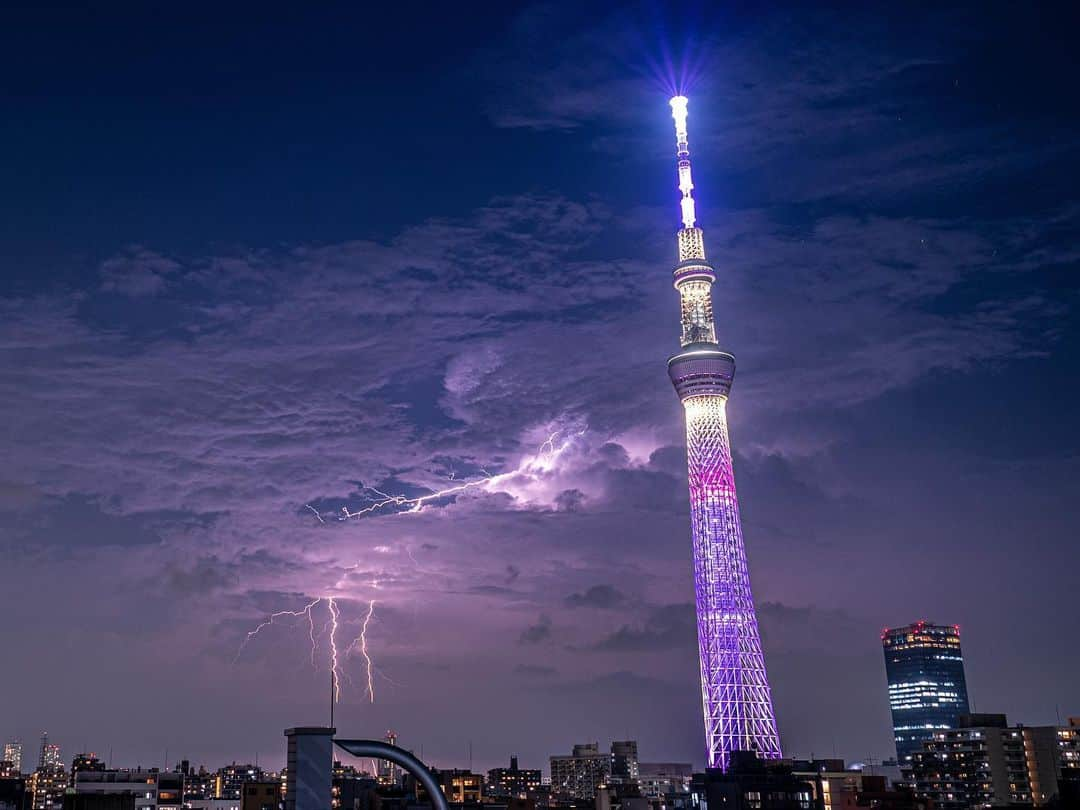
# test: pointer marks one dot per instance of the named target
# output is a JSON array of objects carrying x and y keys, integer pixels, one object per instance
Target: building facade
[
  {"x": 264, "y": 795},
  {"x": 149, "y": 789},
  {"x": 624, "y": 762},
  {"x": 229, "y": 781},
  {"x": 49, "y": 780},
  {"x": 750, "y": 783},
  {"x": 578, "y": 775},
  {"x": 924, "y": 667},
  {"x": 84, "y": 762},
  {"x": 460, "y": 786},
  {"x": 659, "y": 779},
  {"x": 736, "y": 697},
  {"x": 13, "y": 755},
  {"x": 513, "y": 782},
  {"x": 985, "y": 762}
]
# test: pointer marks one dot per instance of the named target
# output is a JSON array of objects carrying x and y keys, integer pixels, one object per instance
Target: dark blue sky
[{"x": 254, "y": 259}]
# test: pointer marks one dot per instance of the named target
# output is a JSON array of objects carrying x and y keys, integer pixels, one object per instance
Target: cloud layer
[{"x": 184, "y": 431}]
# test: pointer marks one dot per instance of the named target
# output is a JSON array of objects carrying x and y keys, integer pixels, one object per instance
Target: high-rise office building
[
  {"x": 578, "y": 775},
  {"x": 927, "y": 690},
  {"x": 13, "y": 755},
  {"x": 49, "y": 780},
  {"x": 735, "y": 690},
  {"x": 49, "y": 753},
  {"x": 388, "y": 772}
]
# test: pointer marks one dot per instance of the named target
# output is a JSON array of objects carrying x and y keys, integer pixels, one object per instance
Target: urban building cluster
[{"x": 947, "y": 758}]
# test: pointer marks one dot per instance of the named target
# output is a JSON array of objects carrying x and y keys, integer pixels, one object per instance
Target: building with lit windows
[
  {"x": 985, "y": 762},
  {"x": 13, "y": 755},
  {"x": 84, "y": 762},
  {"x": 752, "y": 783},
  {"x": 658, "y": 779},
  {"x": 388, "y": 773},
  {"x": 150, "y": 790},
  {"x": 1069, "y": 778},
  {"x": 461, "y": 786},
  {"x": 229, "y": 781},
  {"x": 49, "y": 780},
  {"x": 578, "y": 775},
  {"x": 927, "y": 690},
  {"x": 513, "y": 782}
]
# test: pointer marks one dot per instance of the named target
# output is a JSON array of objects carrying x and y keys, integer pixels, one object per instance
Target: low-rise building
[
  {"x": 513, "y": 782},
  {"x": 751, "y": 783},
  {"x": 150, "y": 789},
  {"x": 264, "y": 795},
  {"x": 660, "y": 779}
]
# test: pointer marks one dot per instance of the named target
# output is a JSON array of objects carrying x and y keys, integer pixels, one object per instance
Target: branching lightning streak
[
  {"x": 362, "y": 639},
  {"x": 548, "y": 450},
  {"x": 330, "y": 629},
  {"x": 305, "y": 612},
  {"x": 415, "y": 503},
  {"x": 540, "y": 462}
]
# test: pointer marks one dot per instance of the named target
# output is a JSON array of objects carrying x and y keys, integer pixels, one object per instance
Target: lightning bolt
[
  {"x": 361, "y": 642},
  {"x": 334, "y": 664},
  {"x": 306, "y": 611},
  {"x": 548, "y": 451},
  {"x": 548, "y": 445},
  {"x": 330, "y": 629},
  {"x": 415, "y": 503},
  {"x": 541, "y": 462}
]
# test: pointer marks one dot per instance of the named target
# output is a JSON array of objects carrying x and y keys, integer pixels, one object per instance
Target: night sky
[{"x": 258, "y": 260}]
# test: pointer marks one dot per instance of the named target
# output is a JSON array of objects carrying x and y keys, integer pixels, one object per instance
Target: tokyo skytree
[{"x": 734, "y": 687}]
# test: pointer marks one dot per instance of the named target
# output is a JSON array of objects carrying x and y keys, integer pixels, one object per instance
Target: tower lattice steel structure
[{"x": 734, "y": 687}]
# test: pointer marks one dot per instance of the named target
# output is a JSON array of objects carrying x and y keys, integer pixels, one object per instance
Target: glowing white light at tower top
[
  {"x": 686, "y": 182},
  {"x": 678, "y": 112}
]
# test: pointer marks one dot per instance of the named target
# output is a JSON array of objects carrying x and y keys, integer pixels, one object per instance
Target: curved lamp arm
[{"x": 399, "y": 756}]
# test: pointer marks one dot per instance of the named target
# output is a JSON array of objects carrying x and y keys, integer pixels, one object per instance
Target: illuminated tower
[{"x": 734, "y": 688}]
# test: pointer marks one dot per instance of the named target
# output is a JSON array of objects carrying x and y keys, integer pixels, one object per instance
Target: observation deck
[{"x": 702, "y": 369}]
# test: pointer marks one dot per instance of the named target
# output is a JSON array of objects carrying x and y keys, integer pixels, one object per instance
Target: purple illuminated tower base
[{"x": 734, "y": 687}]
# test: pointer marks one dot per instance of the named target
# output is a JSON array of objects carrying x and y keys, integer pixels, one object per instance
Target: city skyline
[{"x": 269, "y": 284}]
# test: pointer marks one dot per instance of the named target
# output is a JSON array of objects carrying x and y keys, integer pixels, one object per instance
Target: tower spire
[
  {"x": 694, "y": 276},
  {"x": 735, "y": 692},
  {"x": 686, "y": 182}
]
